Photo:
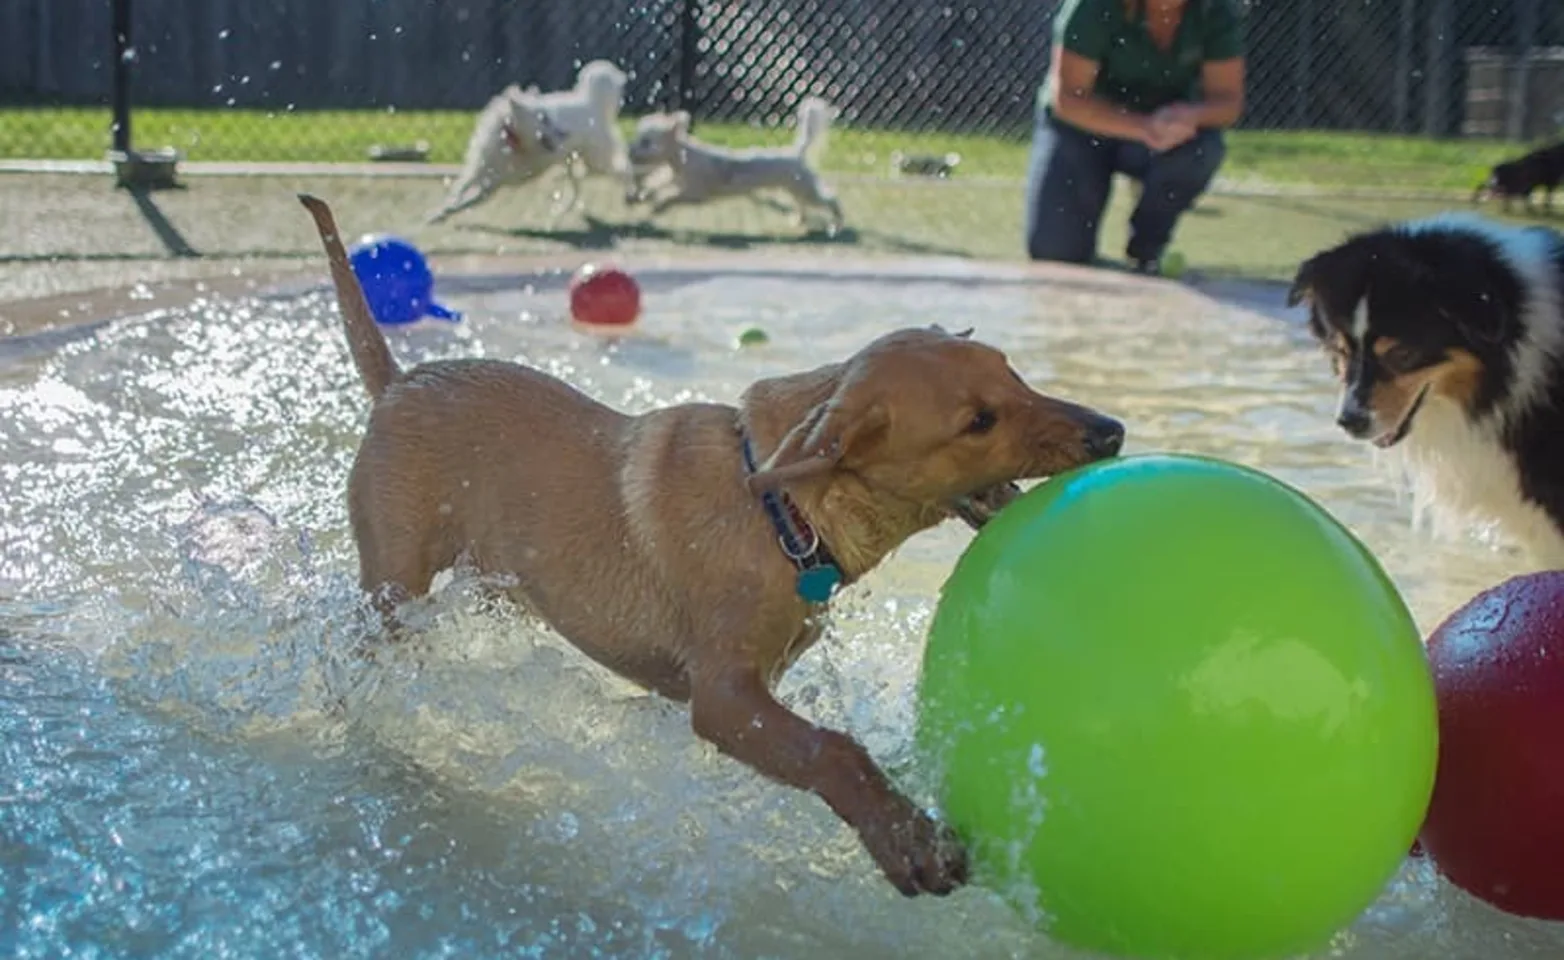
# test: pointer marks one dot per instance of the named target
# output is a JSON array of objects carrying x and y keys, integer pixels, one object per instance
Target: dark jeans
[{"x": 1071, "y": 172}]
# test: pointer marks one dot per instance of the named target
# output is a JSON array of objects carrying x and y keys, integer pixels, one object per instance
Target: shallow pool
[{"x": 191, "y": 764}]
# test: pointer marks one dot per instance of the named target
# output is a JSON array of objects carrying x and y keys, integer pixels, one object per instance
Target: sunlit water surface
[{"x": 192, "y": 764}]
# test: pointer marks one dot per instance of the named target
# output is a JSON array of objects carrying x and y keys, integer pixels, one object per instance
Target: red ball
[
  {"x": 1495, "y": 826},
  {"x": 604, "y": 296}
]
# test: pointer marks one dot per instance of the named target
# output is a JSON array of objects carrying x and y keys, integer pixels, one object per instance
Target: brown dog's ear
[
  {"x": 819, "y": 441},
  {"x": 1303, "y": 282}
]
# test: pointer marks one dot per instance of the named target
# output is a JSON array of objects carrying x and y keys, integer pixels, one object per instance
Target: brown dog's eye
[{"x": 982, "y": 422}]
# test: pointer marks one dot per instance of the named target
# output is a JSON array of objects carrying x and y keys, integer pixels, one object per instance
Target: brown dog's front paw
[{"x": 917, "y": 853}]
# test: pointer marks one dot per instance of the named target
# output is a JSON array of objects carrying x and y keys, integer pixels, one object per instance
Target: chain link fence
[{"x": 302, "y": 80}]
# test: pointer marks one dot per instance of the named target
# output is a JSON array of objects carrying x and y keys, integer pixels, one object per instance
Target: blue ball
[{"x": 397, "y": 282}]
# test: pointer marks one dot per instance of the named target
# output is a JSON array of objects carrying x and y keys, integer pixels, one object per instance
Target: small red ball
[
  {"x": 1495, "y": 826},
  {"x": 604, "y": 296}
]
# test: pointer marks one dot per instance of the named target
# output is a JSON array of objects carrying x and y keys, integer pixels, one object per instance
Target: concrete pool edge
[{"x": 75, "y": 314}]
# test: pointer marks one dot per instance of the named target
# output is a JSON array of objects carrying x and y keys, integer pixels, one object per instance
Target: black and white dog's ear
[{"x": 1303, "y": 282}]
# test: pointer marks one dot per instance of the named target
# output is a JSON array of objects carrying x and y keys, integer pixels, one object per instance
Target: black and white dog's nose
[{"x": 1355, "y": 420}]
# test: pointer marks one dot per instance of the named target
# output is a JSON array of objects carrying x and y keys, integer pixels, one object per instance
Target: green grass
[
  {"x": 1328, "y": 160},
  {"x": 978, "y": 213}
]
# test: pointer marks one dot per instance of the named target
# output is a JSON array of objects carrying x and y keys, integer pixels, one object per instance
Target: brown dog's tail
[{"x": 376, "y": 367}]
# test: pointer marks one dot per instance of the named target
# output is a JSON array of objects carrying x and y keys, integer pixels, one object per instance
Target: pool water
[{"x": 193, "y": 763}]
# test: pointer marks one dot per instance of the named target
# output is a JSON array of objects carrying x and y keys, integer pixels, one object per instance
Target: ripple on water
[{"x": 197, "y": 761}]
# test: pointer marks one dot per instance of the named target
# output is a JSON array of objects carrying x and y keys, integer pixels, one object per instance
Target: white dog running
[
  {"x": 584, "y": 119},
  {"x": 513, "y": 142},
  {"x": 673, "y": 167}
]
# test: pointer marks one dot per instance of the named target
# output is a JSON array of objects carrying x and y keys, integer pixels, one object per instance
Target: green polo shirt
[{"x": 1132, "y": 70}]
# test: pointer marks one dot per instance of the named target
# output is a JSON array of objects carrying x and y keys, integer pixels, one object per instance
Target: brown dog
[{"x": 663, "y": 545}]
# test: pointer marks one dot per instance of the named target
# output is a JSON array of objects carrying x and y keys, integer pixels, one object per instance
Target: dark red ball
[
  {"x": 604, "y": 296},
  {"x": 1495, "y": 826}
]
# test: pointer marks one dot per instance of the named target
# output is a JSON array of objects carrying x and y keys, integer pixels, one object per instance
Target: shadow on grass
[
  {"x": 597, "y": 234},
  {"x": 1334, "y": 212}
]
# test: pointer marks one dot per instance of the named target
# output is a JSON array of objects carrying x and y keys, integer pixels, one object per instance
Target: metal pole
[
  {"x": 1436, "y": 74},
  {"x": 1303, "y": 64},
  {"x": 689, "y": 42},
  {"x": 1520, "y": 74},
  {"x": 1402, "y": 122},
  {"x": 120, "y": 93}
]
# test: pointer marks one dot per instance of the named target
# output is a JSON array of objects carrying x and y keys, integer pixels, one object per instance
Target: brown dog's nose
[{"x": 1104, "y": 437}]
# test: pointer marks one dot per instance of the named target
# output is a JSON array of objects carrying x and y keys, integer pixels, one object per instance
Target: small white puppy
[
  {"x": 513, "y": 142},
  {"x": 673, "y": 167},
  {"x": 582, "y": 123}
]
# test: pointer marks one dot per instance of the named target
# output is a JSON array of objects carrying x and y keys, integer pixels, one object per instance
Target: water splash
[{"x": 200, "y": 755}]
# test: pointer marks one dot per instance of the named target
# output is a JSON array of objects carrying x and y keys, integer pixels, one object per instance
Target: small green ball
[
  {"x": 1173, "y": 265},
  {"x": 753, "y": 336}
]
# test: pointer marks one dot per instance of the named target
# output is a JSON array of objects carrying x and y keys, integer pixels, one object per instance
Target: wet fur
[
  {"x": 1472, "y": 311},
  {"x": 642, "y": 541}
]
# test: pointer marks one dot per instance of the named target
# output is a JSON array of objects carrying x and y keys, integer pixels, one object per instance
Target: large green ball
[{"x": 1178, "y": 712}]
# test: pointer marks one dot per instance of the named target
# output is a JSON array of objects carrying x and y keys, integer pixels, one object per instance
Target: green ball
[
  {"x": 1178, "y": 711},
  {"x": 1173, "y": 265},
  {"x": 753, "y": 336}
]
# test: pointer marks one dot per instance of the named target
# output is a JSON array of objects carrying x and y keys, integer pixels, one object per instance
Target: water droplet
[
  {"x": 569, "y": 825},
  {"x": 1037, "y": 762}
]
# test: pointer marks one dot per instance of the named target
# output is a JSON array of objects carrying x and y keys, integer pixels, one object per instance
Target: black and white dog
[
  {"x": 1542, "y": 169},
  {"x": 1448, "y": 337}
]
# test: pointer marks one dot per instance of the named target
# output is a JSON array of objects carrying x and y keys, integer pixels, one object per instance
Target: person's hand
[
  {"x": 1170, "y": 127},
  {"x": 1179, "y": 113}
]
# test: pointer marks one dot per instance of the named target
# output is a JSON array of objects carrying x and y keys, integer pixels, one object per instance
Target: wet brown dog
[{"x": 656, "y": 543}]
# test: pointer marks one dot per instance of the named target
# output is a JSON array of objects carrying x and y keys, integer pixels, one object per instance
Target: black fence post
[
  {"x": 1436, "y": 71},
  {"x": 132, "y": 168},
  {"x": 689, "y": 50},
  {"x": 120, "y": 93},
  {"x": 1517, "y": 125}
]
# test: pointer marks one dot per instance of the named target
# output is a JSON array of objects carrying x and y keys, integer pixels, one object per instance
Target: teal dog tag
[{"x": 816, "y": 583}]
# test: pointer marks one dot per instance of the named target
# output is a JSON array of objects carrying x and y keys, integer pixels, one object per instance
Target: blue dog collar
[{"x": 818, "y": 573}]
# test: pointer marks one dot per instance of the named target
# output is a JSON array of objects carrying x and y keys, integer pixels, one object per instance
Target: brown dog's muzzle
[{"x": 1099, "y": 438}]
